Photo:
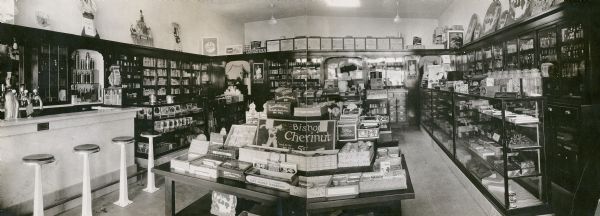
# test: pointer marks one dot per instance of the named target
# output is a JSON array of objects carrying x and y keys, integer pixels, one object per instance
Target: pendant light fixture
[
  {"x": 397, "y": 19},
  {"x": 272, "y": 21}
]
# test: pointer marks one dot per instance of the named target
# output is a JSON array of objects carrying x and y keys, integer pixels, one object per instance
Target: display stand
[{"x": 271, "y": 197}]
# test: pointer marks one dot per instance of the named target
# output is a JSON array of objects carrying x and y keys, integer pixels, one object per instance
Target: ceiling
[{"x": 257, "y": 10}]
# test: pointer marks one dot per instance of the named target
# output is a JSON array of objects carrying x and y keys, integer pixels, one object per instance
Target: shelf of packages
[
  {"x": 493, "y": 162},
  {"x": 178, "y": 137},
  {"x": 439, "y": 131},
  {"x": 490, "y": 133}
]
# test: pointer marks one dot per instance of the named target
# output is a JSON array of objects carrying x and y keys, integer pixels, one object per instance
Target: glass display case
[
  {"x": 497, "y": 143},
  {"x": 443, "y": 119},
  {"x": 511, "y": 61},
  {"x": 426, "y": 110},
  {"x": 527, "y": 51}
]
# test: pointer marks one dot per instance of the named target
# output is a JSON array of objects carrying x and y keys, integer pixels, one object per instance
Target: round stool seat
[
  {"x": 148, "y": 134},
  {"x": 122, "y": 140},
  {"x": 39, "y": 158},
  {"x": 89, "y": 148}
]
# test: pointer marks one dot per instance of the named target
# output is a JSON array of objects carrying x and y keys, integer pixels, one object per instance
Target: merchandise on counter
[
  {"x": 356, "y": 154},
  {"x": 250, "y": 154},
  {"x": 234, "y": 169},
  {"x": 279, "y": 109},
  {"x": 206, "y": 167},
  {"x": 223, "y": 151},
  {"x": 368, "y": 133},
  {"x": 377, "y": 181},
  {"x": 314, "y": 111},
  {"x": 182, "y": 162},
  {"x": 314, "y": 161},
  {"x": 376, "y": 94},
  {"x": 253, "y": 176},
  {"x": 344, "y": 185},
  {"x": 347, "y": 132},
  {"x": 241, "y": 135},
  {"x": 284, "y": 95},
  {"x": 311, "y": 187}
]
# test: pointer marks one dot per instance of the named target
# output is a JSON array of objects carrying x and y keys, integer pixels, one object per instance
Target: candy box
[
  {"x": 234, "y": 169},
  {"x": 206, "y": 166},
  {"x": 344, "y": 185},
  {"x": 254, "y": 176},
  {"x": 228, "y": 152},
  {"x": 378, "y": 181}
]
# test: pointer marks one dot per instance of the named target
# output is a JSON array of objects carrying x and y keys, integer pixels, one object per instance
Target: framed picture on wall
[
  {"x": 258, "y": 72},
  {"x": 234, "y": 49},
  {"x": 210, "y": 46},
  {"x": 326, "y": 43},
  {"x": 314, "y": 43},
  {"x": 455, "y": 39},
  {"x": 397, "y": 43},
  {"x": 300, "y": 43},
  {"x": 383, "y": 43},
  {"x": 287, "y": 44},
  {"x": 348, "y": 43},
  {"x": 371, "y": 43},
  {"x": 337, "y": 43},
  {"x": 359, "y": 43},
  {"x": 273, "y": 46}
]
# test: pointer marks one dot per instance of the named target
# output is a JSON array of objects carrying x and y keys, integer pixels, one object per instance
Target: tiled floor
[{"x": 440, "y": 188}]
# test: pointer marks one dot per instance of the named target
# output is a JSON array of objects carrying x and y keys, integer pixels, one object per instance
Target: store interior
[{"x": 299, "y": 107}]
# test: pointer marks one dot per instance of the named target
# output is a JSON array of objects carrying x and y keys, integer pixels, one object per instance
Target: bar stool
[
  {"x": 150, "y": 186},
  {"x": 86, "y": 195},
  {"x": 37, "y": 160},
  {"x": 123, "y": 194}
]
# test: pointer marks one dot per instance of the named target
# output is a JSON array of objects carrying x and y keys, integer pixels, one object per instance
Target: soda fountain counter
[{"x": 57, "y": 135}]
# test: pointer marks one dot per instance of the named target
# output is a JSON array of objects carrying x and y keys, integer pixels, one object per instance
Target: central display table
[{"x": 282, "y": 202}]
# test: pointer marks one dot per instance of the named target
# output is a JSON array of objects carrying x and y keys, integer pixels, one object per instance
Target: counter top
[
  {"x": 59, "y": 106},
  {"x": 65, "y": 120}
]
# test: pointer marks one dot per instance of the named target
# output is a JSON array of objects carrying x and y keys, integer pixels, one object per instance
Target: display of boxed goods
[
  {"x": 197, "y": 149},
  {"x": 182, "y": 162},
  {"x": 378, "y": 181},
  {"x": 234, "y": 169},
  {"x": 206, "y": 167},
  {"x": 387, "y": 159},
  {"x": 313, "y": 111},
  {"x": 283, "y": 170},
  {"x": 284, "y": 95},
  {"x": 369, "y": 133},
  {"x": 356, "y": 154},
  {"x": 251, "y": 154},
  {"x": 344, "y": 185},
  {"x": 229, "y": 152},
  {"x": 311, "y": 187},
  {"x": 241, "y": 135},
  {"x": 376, "y": 94},
  {"x": 254, "y": 176},
  {"x": 314, "y": 161},
  {"x": 279, "y": 109}
]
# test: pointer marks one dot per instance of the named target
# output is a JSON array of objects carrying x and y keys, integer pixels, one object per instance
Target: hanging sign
[{"x": 296, "y": 135}]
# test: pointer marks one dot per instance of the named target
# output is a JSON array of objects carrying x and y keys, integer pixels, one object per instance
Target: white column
[
  {"x": 150, "y": 185},
  {"x": 123, "y": 195},
  {"x": 86, "y": 197},
  {"x": 38, "y": 197}
]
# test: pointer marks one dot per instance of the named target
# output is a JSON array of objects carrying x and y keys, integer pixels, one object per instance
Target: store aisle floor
[{"x": 441, "y": 189}]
